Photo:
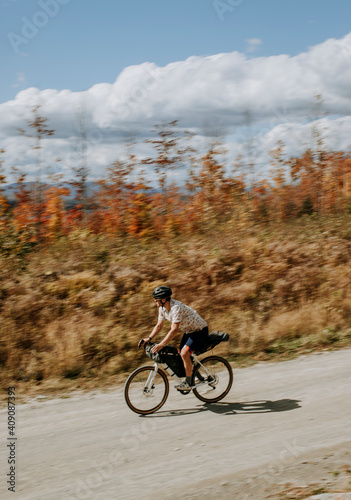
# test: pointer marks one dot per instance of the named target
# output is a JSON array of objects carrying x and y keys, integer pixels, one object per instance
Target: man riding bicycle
[{"x": 183, "y": 318}]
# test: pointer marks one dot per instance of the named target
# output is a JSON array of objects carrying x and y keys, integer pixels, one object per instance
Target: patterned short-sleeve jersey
[{"x": 188, "y": 319}]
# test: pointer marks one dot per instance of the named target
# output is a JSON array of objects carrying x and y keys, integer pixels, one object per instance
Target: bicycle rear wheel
[
  {"x": 213, "y": 380},
  {"x": 146, "y": 391}
]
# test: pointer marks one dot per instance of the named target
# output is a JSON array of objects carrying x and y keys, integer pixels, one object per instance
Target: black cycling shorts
[{"x": 194, "y": 341}]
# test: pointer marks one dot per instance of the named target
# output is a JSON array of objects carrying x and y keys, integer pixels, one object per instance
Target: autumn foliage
[
  {"x": 124, "y": 203},
  {"x": 265, "y": 258}
]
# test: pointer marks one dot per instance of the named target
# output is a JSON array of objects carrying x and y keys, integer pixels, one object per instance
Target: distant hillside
[
  {"x": 92, "y": 188},
  {"x": 10, "y": 189}
]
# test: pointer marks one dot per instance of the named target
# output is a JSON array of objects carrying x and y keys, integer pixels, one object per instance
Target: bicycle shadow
[
  {"x": 254, "y": 406},
  {"x": 226, "y": 408}
]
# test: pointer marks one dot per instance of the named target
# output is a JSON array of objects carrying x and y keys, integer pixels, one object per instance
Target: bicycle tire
[
  {"x": 223, "y": 377},
  {"x": 143, "y": 402}
]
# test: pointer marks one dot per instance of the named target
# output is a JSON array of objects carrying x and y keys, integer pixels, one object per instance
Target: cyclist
[{"x": 184, "y": 319}]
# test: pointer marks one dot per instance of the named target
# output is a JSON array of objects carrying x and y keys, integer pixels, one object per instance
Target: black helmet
[{"x": 162, "y": 292}]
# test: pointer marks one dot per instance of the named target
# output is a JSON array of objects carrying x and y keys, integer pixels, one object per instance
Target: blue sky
[
  {"x": 135, "y": 64},
  {"x": 90, "y": 41}
]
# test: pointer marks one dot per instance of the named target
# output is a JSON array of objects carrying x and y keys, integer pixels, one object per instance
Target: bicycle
[{"x": 147, "y": 388}]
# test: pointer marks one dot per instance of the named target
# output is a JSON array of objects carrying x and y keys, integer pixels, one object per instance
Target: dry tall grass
[{"x": 78, "y": 308}]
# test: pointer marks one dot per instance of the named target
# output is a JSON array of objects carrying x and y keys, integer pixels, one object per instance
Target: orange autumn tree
[
  {"x": 4, "y": 203},
  {"x": 170, "y": 153},
  {"x": 280, "y": 197},
  {"x": 342, "y": 180},
  {"x": 140, "y": 210},
  {"x": 40, "y": 131},
  {"x": 23, "y": 214},
  {"x": 80, "y": 169},
  {"x": 54, "y": 214},
  {"x": 337, "y": 192},
  {"x": 114, "y": 195},
  {"x": 214, "y": 193}
]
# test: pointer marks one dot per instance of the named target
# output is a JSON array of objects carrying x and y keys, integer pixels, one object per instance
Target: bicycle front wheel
[
  {"x": 213, "y": 380},
  {"x": 145, "y": 390}
]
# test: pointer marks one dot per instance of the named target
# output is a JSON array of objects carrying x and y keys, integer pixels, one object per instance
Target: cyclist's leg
[
  {"x": 186, "y": 357},
  {"x": 191, "y": 342},
  {"x": 184, "y": 353},
  {"x": 194, "y": 340}
]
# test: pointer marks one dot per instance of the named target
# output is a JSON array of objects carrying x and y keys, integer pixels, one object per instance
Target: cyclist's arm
[
  {"x": 170, "y": 335},
  {"x": 157, "y": 329},
  {"x": 154, "y": 332}
]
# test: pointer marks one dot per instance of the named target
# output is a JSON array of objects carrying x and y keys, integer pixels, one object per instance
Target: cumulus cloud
[{"x": 276, "y": 92}]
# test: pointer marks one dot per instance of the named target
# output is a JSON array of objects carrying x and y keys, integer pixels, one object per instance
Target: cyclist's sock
[{"x": 188, "y": 380}]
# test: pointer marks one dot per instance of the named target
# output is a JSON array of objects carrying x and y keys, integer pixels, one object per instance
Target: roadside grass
[
  {"x": 72, "y": 313},
  {"x": 296, "y": 493},
  {"x": 336, "y": 481}
]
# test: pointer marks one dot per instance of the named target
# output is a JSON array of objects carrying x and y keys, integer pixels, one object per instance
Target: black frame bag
[{"x": 168, "y": 355}]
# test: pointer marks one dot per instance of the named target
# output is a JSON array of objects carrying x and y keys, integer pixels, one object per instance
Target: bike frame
[{"x": 167, "y": 369}]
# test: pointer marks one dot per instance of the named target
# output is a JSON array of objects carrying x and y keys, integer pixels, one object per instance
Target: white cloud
[{"x": 278, "y": 93}]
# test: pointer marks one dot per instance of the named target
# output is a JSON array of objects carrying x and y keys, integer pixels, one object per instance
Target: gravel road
[{"x": 281, "y": 422}]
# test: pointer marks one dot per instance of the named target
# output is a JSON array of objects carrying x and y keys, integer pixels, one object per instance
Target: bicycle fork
[{"x": 150, "y": 380}]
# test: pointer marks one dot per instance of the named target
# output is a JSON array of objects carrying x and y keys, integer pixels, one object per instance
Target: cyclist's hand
[
  {"x": 143, "y": 341},
  {"x": 156, "y": 348}
]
